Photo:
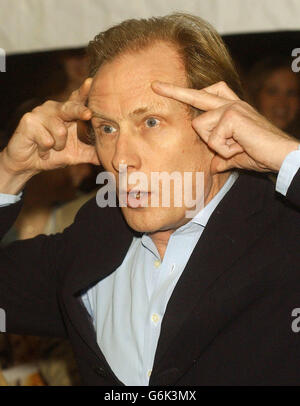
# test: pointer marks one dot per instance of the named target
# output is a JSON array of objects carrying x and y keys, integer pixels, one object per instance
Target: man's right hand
[{"x": 46, "y": 139}]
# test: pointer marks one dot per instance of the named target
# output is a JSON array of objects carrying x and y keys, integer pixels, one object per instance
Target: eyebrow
[
  {"x": 135, "y": 113},
  {"x": 103, "y": 117}
]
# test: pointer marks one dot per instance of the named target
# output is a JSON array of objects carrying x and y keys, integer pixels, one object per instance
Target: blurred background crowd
[{"x": 52, "y": 199}]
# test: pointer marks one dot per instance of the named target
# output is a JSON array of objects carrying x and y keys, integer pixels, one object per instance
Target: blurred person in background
[{"x": 274, "y": 89}]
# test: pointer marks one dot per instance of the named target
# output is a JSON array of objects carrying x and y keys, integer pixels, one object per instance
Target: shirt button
[
  {"x": 157, "y": 264},
  {"x": 149, "y": 373},
  {"x": 155, "y": 318},
  {"x": 100, "y": 371}
]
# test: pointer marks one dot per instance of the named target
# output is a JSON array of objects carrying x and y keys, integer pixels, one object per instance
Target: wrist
[
  {"x": 284, "y": 150},
  {"x": 12, "y": 181}
]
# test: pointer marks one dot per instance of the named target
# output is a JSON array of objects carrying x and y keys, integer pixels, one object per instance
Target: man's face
[{"x": 145, "y": 131}]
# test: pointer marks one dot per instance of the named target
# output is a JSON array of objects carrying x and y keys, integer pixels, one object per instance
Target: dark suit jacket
[{"x": 228, "y": 321}]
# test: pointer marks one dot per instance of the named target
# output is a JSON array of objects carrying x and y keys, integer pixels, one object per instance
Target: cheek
[
  {"x": 192, "y": 156},
  {"x": 175, "y": 155},
  {"x": 194, "y": 147}
]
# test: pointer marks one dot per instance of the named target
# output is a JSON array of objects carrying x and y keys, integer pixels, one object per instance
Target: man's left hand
[{"x": 240, "y": 136}]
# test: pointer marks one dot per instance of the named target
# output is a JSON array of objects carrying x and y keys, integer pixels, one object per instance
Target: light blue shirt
[{"x": 128, "y": 306}]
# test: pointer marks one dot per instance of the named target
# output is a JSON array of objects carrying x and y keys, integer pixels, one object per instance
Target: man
[{"x": 168, "y": 300}]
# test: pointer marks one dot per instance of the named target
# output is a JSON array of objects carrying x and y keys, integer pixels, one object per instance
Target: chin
[
  {"x": 149, "y": 220},
  {"x": 140, "y": 221}
]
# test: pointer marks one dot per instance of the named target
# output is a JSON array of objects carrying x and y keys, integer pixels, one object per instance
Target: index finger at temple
[
  {"x": 222, "y": 90},
  {"x": 198, "y": 98},
  {"x": 70, "y": 111}
]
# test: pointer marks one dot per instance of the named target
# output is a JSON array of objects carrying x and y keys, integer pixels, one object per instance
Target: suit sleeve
[
  {"x": 29, "y": 280},
  {"x": 293, "y": 193}
]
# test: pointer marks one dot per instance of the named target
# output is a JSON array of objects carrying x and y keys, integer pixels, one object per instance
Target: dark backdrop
[{"x": 34, "y": 75}]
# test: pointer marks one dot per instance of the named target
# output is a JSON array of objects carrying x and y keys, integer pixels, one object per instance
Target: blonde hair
[{"x": 200, "y": 47}]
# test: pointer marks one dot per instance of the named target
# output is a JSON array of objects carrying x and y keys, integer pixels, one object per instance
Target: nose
[{"x": 126, "y": 153}]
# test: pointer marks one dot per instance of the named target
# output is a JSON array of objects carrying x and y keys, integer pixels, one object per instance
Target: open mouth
[
  {"x": 137, "y": 198},
  {"x": 136, "y": 195}
]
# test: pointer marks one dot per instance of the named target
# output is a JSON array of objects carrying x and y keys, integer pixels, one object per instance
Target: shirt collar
[{"x": 204, "y": 214}]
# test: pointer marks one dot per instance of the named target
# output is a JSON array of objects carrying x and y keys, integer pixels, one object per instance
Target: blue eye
[
  {"x": 108, "y": 129},
  {"x": 152, "y": 122}
]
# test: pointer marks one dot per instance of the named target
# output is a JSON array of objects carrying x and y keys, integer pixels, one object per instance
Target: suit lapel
[
  {"x": 81, "y": 321},
  {"x": 99, "y": 254},
  {"x": 230, "y": 231}
]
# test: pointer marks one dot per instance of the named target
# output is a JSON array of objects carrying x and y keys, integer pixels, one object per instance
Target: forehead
[{"x": 124, "y": 84}]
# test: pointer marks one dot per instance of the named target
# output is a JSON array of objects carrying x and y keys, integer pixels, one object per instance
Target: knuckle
[
  {"x": 37, "y": 109},
  {"x": 237, "y": 110},
  {"x": 238, "y": 106},
  {"x": 66, "y": 106},
  {"x": 231, "y": 113},
  {"x": 44, "y": 108},
  {"x": 243, "y": 106},
  {"x": 226, "y": 153},
  {"x": 223, "y": 84},
  {"x": 49, "y": 104},
  {"x": 61, "y": 131},
  {"x": 28, "y": 118},
  {"x": 47, "y": 142}
]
